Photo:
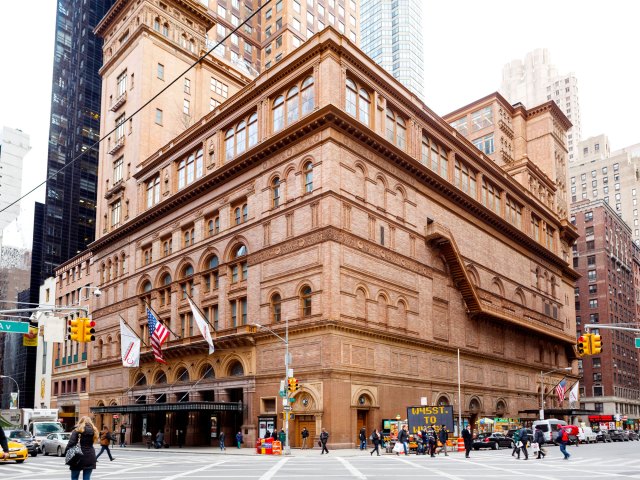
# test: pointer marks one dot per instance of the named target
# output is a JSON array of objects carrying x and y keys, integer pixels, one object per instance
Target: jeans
[
  {"x": 86, "y": 474},
  {"x": 563, "y": 449},
  {"x": 222, "y": 445},
  {"x": 104, "y": 448},
  {"x": 406, "y": 450},
  {"x": 363, "y": 444}
]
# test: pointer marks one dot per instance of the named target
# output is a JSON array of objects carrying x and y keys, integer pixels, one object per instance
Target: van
[
  {"x": 586, "y": 435},
  {"x": 549, "y": 428}
]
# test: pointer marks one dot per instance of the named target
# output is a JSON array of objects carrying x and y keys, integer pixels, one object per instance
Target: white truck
[{"x": 39, "y": 422}]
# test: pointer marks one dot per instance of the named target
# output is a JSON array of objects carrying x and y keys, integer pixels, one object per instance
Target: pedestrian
[
  {"x": 239, "y": 439},
  {"x": 516, "y": 443},
  {"x": 274, "y": 435},
  {"x": 282, "y": 437},
  {"x": 538, "y": 437},
  {"x": 159, "y": 439},
  {"x": 363, "y": 438},
  {"x": 305, "y": 435},
  {"x": 221, "y": 440},
  {"x": 85, "y": 434},
  {"x": 432, "y": 442},
  {"x": 267, "y": 434},
  {"x": 4, "y": 443},
  {"x": 375, "y": 439},
  {"x": 468, "y": 441},
  {"x": 324, "y": 437},
  {"x": 424, "y": 439},
  {"x": 148, "y": 436},
  {"x": 444, "y": 437},
  {"x": 105, "y": 439},
  {"x": 123, "y": 433},
  {"x": 563, "y": 439},
  {"x": 524, "y": 440},
  {"x": 403, "y": 438}
]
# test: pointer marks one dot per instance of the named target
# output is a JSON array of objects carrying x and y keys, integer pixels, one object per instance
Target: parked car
[
  {"x": 603, "y": 436},
  {"x": 484, "y": 440},
  {"x": 529, "y": 434},
  {"x": 25, "y": 438},
  {"x": 17, "y": 452},
  {"x": 502, "y": 440},
  {"x": 618, "y": 436},
  {"x": 586, "y": 435},
  {"x": 633, "y": 435},
  {"x": 55, "y": 443}
]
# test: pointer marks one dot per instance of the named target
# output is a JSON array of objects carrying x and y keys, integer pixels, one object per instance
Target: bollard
[{"x": 461, "y": 444}]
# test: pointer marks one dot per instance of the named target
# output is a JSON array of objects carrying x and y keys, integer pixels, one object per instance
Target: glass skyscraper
[{"x": 391, "y": 34}]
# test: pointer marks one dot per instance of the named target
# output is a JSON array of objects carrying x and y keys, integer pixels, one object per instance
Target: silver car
[{"x": 55, "y": 443}]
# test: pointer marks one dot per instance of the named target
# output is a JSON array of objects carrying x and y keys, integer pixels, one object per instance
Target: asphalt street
[{"x": 605, "y": 461}]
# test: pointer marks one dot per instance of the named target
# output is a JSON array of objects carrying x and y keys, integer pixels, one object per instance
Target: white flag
[
  {"x": 203, "y": 325},
  {"x": 573, "y": 394},
  {"x": 55, "y": 328},
  {"x": 129, "y": 345}
]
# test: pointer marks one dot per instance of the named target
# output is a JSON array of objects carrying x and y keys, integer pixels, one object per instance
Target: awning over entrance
[{"x": 170, "y": 407}]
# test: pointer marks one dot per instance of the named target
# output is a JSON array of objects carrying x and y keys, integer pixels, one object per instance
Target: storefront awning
[{"x": 170, "y": 407}]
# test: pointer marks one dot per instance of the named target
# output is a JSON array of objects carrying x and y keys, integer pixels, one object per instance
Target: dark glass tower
[{"x": 69, "y": 216}]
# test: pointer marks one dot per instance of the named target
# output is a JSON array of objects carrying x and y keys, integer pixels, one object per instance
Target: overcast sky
[{"x": 467, "y": 42}]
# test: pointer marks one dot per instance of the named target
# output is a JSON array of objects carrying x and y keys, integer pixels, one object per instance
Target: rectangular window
[
  {"x": 122, "y": 83},
  {"x": 485, "y": 144},
  {"x": 160, "y": 71},
  {"x": 117, "y": 170},
  {"x": 187, "y": 86},
  {"x": 115, "y": 213},
  {"x": 120, "y": 121},
  {"x": 593, "y": 303},
  {"x": 461, "y": 126},
  {"x": 481, "y": 119},
  {"x": 158, "y": 116},
  {"x": 220, "y": 88}
]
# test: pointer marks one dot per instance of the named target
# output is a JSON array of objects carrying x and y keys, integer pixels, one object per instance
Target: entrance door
[
  {"x": 301, "y": 422},
  {"x": 362, "y": 422}
]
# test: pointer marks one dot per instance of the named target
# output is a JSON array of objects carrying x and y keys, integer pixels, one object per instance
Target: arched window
[
  {"x": 307, "y": 171},
  {"x": 276, "y": 306},
  {"x": 308, "y": 95},
  {"x": 352, "y": 98},
  {"x": 241, "y": 137},
  {"x": 156, "y": 24},
  {"x": 275, "y": 192},
  {"x": 253, "y": 129},
  {"x": 147, "y": 287},
  {"x": 183, "y": 41},
  {"x": 183, "y": 375},
  {"x": 165, "y": 290},
  {"x": 211, "y": 278},
  {"x": 292, "y": 105},
  {"x": 465, "y": 179},
  {"x": 187, "y": 285},
  {"x": 396, "y": 129},
  {"x": 207, "y": 372},
  {"x": 161, "y": 378},
  {"x": 229, "y": 144},
  {"x": 190, "y": 168},
  {"x": 238, "y": 266},
  {"x": 153, "y": 191},
  {"x": 305, "y": 301},
  {"x": 165, "y": 29},
  {"x": 236, "y": 370},
  {"x": 141, "y": 379},
  {"x": 192, "y": 46},
  {"x": 358, "y": 102},
  {"x": 278, "y": 113}
]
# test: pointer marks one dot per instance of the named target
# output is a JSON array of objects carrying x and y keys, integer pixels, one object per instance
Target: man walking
[
  {"x": 324, "y": 437},
  {"x": 468, "y": 441},
  {"x": 443, "y": 435},
  {"x": 123, "y": 433},
  {"x": 105, "y": 439},
  {"x": 363, "y": 438},
  {"x": 563, "y": 439},
  {"x": 305, "y": 435},
  {"x": 403, "y": 438},
  {"x": 538, "y": 438},
  {"x": 222, "y": 447},
  {"x": 524, "y": 439}
]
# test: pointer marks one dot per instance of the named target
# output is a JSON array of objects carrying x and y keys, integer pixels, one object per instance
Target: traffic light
[
  {"x": 88, "y": 330},
  {"x": 596, "y": 344},
  {"x": 584, "y": 345},
  {"x": 293, "y": 385},
  {"x": 74, "y": 329}
]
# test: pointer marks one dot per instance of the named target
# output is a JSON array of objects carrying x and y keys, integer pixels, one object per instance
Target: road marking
[
  {"x": 433, "y": 470},
  {"x": 273, "y": 470},
  {"x": 190, "y": 472},
  {"x": 352, "y": 470}
]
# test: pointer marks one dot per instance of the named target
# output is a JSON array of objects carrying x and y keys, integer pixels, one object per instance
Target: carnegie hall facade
[{"x": 324, "y": 196}]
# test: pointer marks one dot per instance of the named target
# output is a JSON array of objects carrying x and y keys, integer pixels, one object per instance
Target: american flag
[
  {"x": 158, "y": 334},
  {"x": 561, "y": 389}
]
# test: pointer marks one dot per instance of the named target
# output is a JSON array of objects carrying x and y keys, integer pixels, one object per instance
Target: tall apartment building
[
  {"x": 14, "y": 145},
  {"x": 535, "y": 81},
  {"x": 605, "y": 293},
  {"x": 296, "y": 204},
  {"x": 613, "y": 177},
  {"x": 392, "y": 35},
  {"x": 69, "y": 217}
]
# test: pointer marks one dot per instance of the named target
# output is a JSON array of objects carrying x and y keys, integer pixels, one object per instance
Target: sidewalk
[{"x": 232, "y": 450}]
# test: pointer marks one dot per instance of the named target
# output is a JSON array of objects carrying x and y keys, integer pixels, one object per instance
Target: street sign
[
  {"x": 282, "y": 393},
  {"x": 637, "y": 342},
  {"x": 14, "y": 327},
  {"x": 286, "y": 408}
]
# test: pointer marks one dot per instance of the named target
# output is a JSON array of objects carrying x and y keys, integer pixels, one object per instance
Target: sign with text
[
  {"x": 637, "y": 342},
  {"x": 424, "y": 417},
  {"x": 14, "y": 327}
]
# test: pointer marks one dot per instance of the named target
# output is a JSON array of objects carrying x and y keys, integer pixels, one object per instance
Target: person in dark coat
[
  {"x": 443, "y": 436},
  {"x": 432, "y": 442},
  {"x": 305, "y": 435},
  {"x": 159, "y": 439},
  {"x": 123, "y": 434},
  {"x": 4, "y": 443},
  {"x": 375, "y": 438},
  {"x": 524, "y": 439},
  {"x": 86, "y": 434},
  {"x": 324, "y": 438},
  {"x": 468, "y": 441},
  {"x": 538, "y": 438},
  {"x": 267, "y": 434},
  {"x": 403, "y": 439},
  {"x": 363, "y": 438}
]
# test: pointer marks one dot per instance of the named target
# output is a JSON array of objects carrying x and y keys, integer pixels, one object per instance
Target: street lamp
[
  {"x": 17, "y": 387},
  {"x": 287, "y": 448},
  {"x": 542, "y": 374}
]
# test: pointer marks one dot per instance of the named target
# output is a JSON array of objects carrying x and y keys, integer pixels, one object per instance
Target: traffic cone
[{"x": 461, "y": 444}]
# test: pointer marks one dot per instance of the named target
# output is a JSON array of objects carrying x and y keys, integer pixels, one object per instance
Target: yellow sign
[{"x": 30, "y": 339}]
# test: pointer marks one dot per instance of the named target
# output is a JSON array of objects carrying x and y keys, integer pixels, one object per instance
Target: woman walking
[
  {"x": 105, "y": 438},
  {"x": 375, "y": 438},
  {"x": 85, "y": 434}
]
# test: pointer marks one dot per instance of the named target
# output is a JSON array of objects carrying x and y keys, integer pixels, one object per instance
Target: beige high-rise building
[
  {"x": 611, "y": 176},
  {"x": 535, "y": 81}
]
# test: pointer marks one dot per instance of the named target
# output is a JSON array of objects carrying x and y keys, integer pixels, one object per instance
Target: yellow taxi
[{"x": 17, "y": 453}]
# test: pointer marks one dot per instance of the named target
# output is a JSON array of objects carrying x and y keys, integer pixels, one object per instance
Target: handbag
[
  {"x": 535, "y": 447},
  {"x": 398, "y": 448},
  {"x": 73, "y": 455},
  {"x": 319, "y": 443}
]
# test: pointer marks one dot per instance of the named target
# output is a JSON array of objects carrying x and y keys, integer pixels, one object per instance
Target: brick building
[{"x": 605, "y": 256}]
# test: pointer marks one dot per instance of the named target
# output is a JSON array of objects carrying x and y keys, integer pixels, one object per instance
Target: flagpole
[
  {"x": 134, "y": 332},
  {"x": 158, "y": 318},
  {"x": 200, "y": 310},
  {"x": 192, "y": 386}
]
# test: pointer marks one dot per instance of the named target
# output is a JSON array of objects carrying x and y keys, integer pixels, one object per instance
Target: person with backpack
[
  {"x": 105, "y": 439},
  {"x": 563, "y": 439},
  {"x": 524, "y": 440}
]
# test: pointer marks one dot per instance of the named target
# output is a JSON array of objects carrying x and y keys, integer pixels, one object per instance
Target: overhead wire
[{"x": 144, "y": 105}]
